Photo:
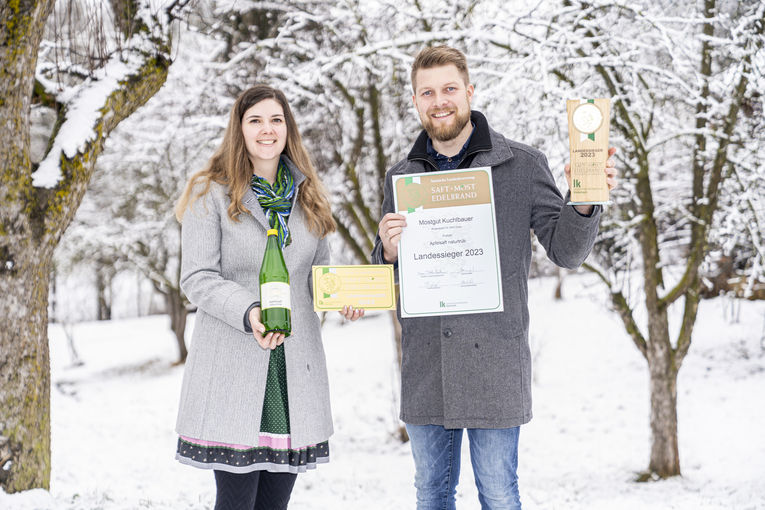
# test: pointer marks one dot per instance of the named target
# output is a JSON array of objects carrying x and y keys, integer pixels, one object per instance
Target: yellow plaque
[
  {"x": 588, "y": 126},
  {"x": 364, "y": 286}
]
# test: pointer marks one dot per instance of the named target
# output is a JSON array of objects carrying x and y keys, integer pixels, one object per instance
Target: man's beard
[{"x": 447, "y": 132}]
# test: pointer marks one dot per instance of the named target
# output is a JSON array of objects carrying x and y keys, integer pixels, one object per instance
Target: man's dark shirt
[{"x": 447, "y": 162}]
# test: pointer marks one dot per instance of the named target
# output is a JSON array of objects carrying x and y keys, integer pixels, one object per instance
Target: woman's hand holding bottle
[{"x": 270, "y": 340}]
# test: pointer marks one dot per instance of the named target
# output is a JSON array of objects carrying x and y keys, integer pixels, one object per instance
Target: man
[{"x": 474, "y": 371}]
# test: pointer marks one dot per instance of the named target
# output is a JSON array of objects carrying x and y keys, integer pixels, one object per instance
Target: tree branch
[
  {"x": 350, "y": 241},
  {"x": 380, "y": 159},
  {"x": 649, "y": 238},
  {"x": 368, "y": 226},
  {"x": 625, "y": 312},
  {"x": 60, "y": 205},
  {"x": 623, "y": 308},
  {"x": 705, "y": 203}
]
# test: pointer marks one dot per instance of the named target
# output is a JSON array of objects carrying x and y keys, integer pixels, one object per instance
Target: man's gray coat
[{"x": 474, "y": 371}]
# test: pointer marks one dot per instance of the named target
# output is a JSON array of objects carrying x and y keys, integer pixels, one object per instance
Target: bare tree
[
  {"x": 93, "y": 86},
  {"x": 679, "y": 76}
]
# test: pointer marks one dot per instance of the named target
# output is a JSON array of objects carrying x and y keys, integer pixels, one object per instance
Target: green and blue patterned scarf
[{"x": 276, "y": 200}]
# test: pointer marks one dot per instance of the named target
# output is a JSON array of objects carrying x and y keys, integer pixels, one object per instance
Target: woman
[{"x": 254, "y": 407}]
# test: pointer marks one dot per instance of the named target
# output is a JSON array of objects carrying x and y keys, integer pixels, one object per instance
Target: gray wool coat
[
  {"x": 474, "y": 370},
  {"x": 225, "y": 376}
]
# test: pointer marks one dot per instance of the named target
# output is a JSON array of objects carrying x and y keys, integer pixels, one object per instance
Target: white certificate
[{"x": 448, "y": 256}]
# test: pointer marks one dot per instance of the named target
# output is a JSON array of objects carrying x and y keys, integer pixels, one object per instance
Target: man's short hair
[{"x": 437, "y": 56}]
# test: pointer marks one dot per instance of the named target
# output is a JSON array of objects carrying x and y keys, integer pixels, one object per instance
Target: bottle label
[{"x": 275, "y": 295}]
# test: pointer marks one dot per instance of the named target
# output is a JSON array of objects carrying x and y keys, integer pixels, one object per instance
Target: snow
[
  {"x": 85, "y": 101},
  {"x": 83, "y": 105},
  {"x": 113, "y": 440}
]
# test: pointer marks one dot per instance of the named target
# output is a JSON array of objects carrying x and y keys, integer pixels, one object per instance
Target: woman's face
[{"x": 265, "y": 131}]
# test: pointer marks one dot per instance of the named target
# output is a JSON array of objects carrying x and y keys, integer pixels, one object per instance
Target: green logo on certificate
[{"x": 411, "y": 194}]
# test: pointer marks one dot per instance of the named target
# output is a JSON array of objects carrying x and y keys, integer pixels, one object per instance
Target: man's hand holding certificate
[{"x": 447, "y": 254}]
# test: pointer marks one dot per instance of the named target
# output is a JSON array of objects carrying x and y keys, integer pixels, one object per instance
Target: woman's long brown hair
[{"x": 231, "y": 166}]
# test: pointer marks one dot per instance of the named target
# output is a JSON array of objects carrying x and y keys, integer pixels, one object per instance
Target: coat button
[{"x": 447, "y": 332}]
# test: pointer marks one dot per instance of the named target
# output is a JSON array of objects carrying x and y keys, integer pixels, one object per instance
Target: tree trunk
[
  {"x": 176, "y": 308},
  {"x": 396, "y": 337},
  {"x": 104, "y": 290},
  {"x": 25, "y": 266},
  {"x": 665, "y": 457},
  {"x": 401, "y": 432},
  {"x": 53, "y": 295},
  {"x": 25, "y": 374},
  {"x": 32, "y": 220},
  {"x": 558, "y": 295}
]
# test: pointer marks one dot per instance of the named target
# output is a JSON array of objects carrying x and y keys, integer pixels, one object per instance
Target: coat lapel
[
  {"x": 499, "y": 154},
  {"x": 250, "y": 201}
]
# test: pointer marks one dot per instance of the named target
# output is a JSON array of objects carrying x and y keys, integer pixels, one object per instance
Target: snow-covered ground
[{"x": 113, "y": 441}]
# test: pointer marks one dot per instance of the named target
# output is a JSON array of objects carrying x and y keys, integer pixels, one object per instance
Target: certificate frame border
[{"x": 500, "y": 306}]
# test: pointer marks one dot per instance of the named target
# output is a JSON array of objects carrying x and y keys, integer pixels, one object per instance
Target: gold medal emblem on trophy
[{"x": 588, "y": 124}]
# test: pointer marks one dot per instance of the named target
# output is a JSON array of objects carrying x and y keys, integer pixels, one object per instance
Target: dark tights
[{"x": 258, "y": 490}]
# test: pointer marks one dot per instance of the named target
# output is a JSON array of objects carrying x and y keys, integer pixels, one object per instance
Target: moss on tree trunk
[
  {"x": 32, "y": 221},
  {"x": 25, "y": 378}
]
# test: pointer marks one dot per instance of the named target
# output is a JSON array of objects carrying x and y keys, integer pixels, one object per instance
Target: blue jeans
[{"x": 493, "y": 453}]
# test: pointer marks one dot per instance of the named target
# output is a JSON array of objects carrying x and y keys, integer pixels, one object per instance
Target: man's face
[{"x": 442, "y": 99}]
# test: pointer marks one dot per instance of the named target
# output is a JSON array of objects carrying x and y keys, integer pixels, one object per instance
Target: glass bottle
[{"x": 275, "y": 288}]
